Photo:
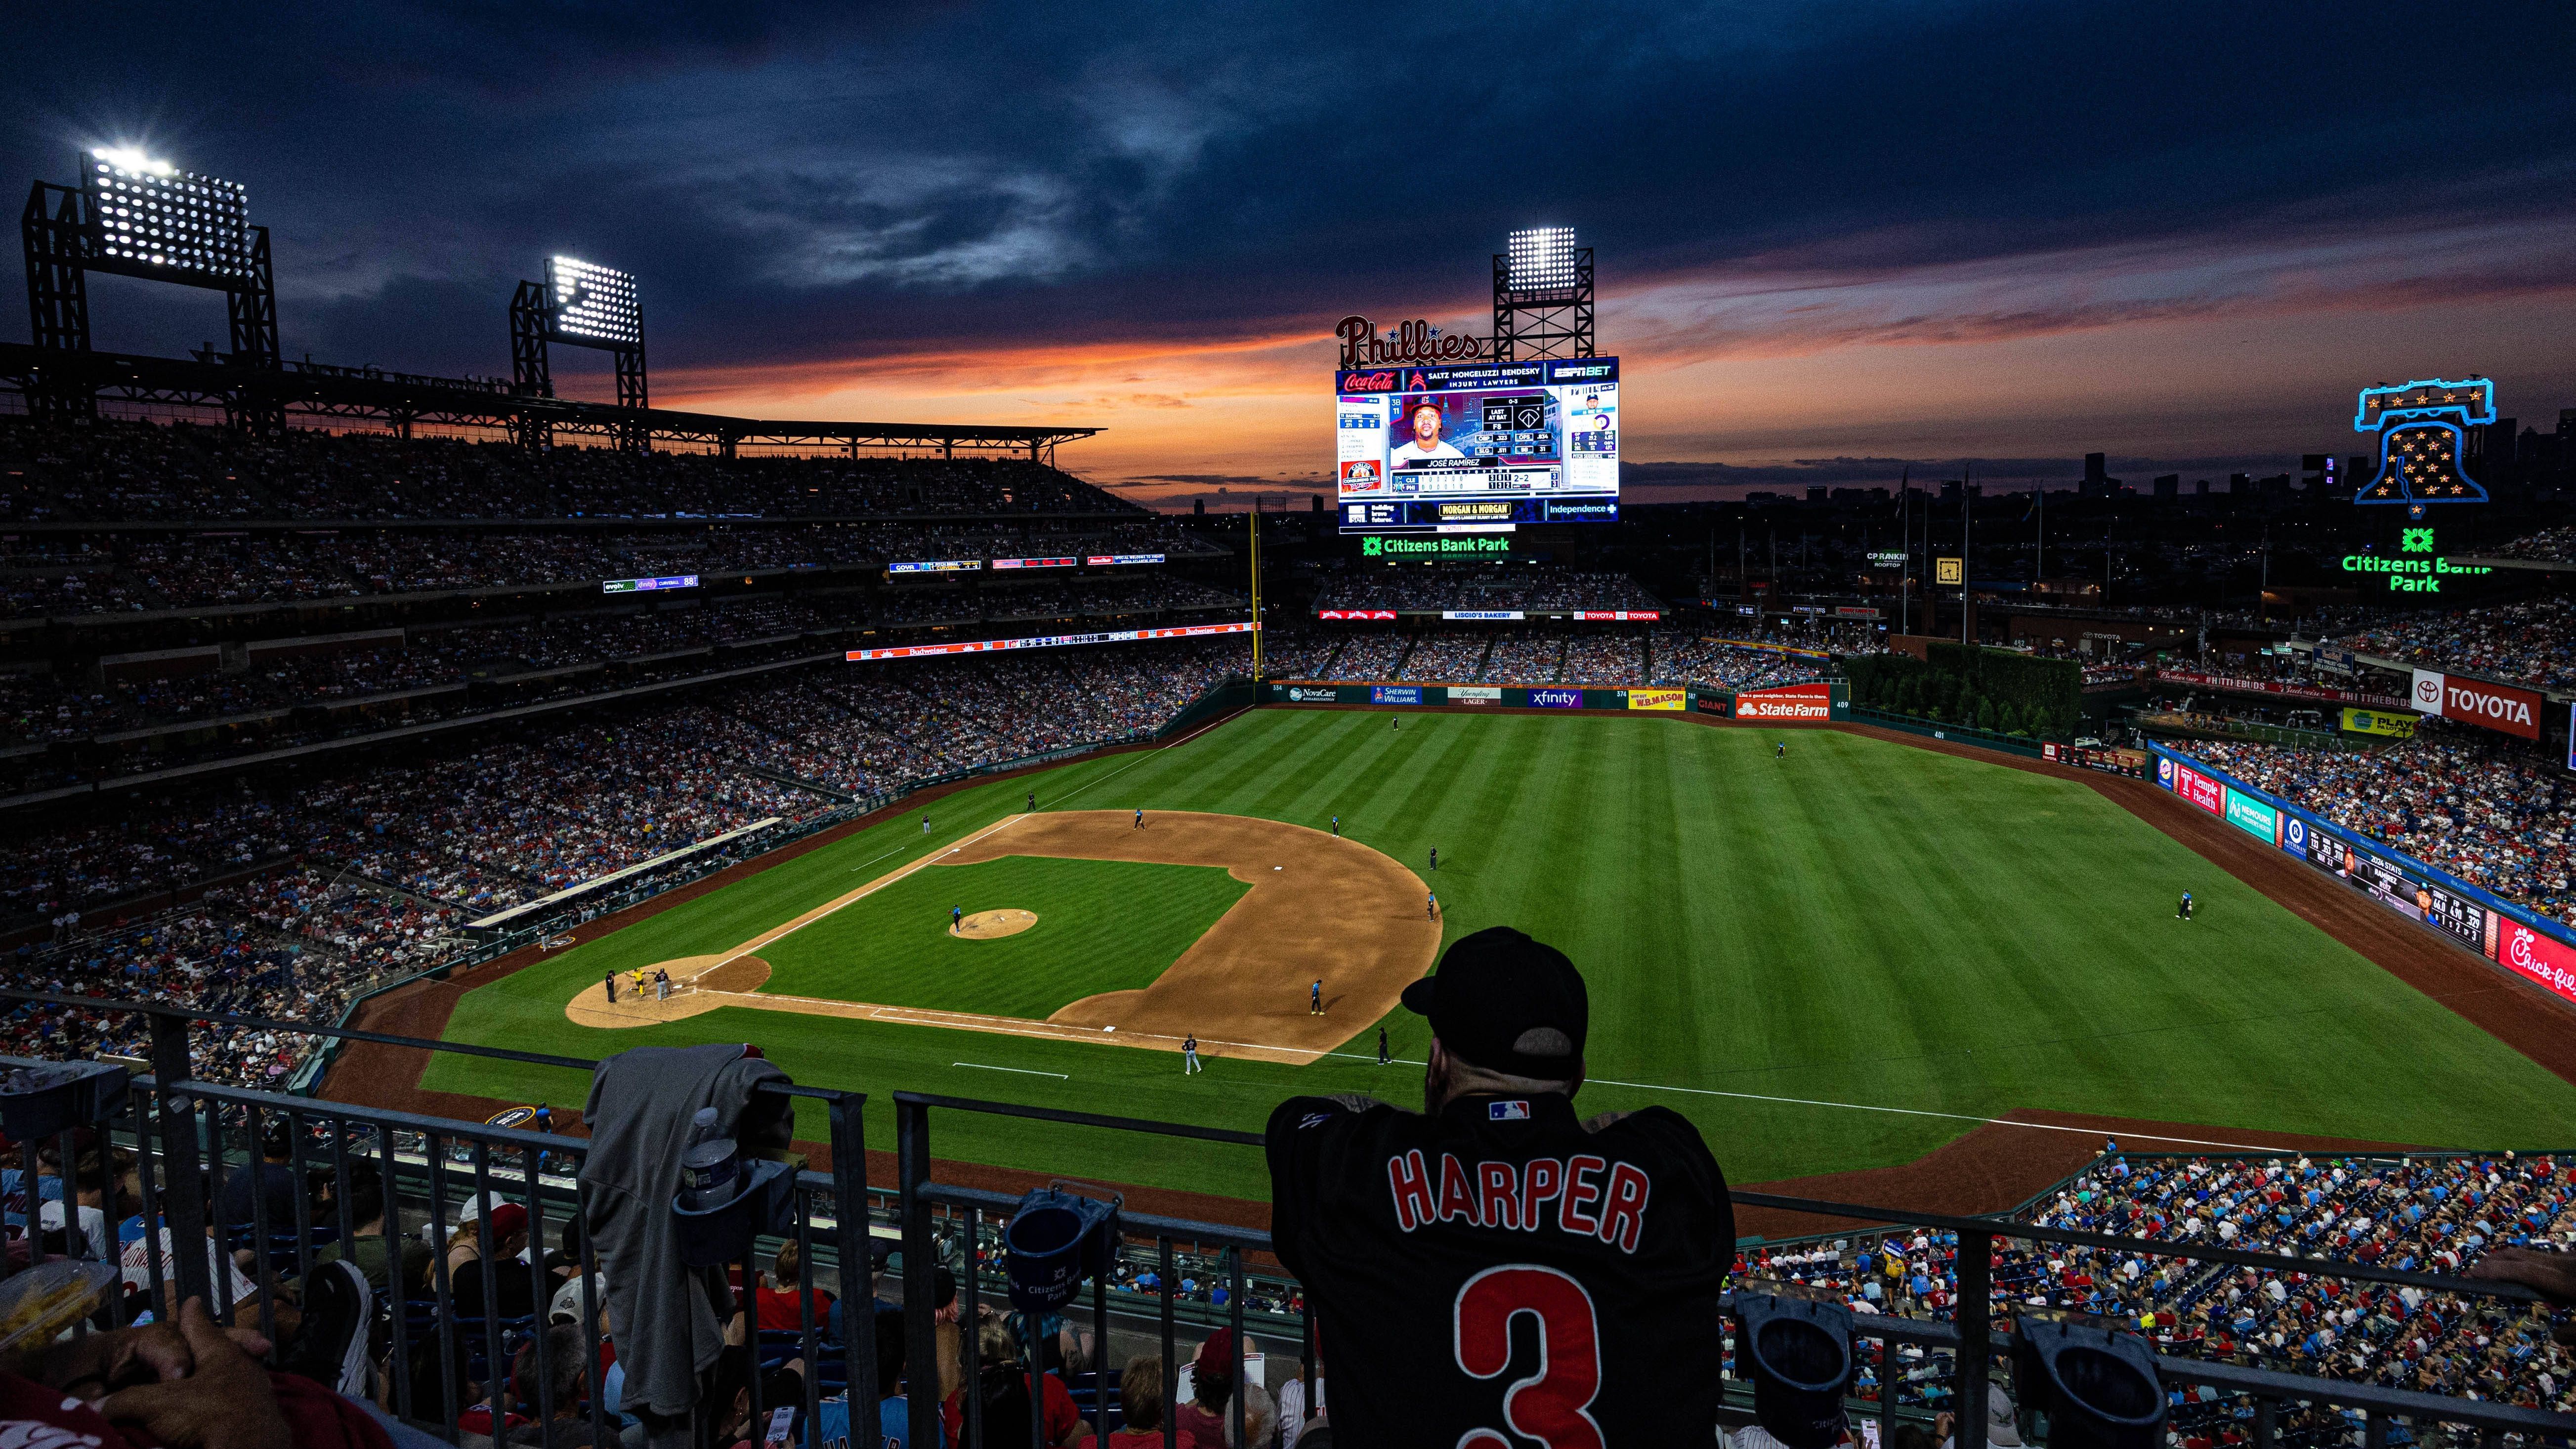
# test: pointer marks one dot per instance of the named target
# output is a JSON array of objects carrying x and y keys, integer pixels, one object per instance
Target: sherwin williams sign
[
  {"x": 2253, "y": 817},
  {"x": 1395, "y": 694}
]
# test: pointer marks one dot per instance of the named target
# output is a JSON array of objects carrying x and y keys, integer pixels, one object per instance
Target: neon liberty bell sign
[{"x": 2424, "y": 441}]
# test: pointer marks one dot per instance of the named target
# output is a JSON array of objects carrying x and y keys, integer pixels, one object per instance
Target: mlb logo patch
[{"x": 1507, "y": 1111}]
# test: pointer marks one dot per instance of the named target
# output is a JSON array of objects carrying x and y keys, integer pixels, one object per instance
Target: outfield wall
[
  {"x": 1815, "y": 701},
  {"x": 2532, "y": 946}
]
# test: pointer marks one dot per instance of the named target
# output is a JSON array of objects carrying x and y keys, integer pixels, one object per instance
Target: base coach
[{"x": 1494, "y": 1265}]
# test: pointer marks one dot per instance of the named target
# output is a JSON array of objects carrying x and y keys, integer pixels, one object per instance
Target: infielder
[
  {"x": 1140, "y": 817},
  {"x": 925, "y": 822},
  {"x": 956, "y": 918},
  {"x": 1431, "y": 905},
  {"x": 2183, "y": 911},
  {"x": 1315, "y": 999},
  {"x": 1435, "y": 857},
  {"x": 1431, "y": 1244},
  {"x": 1337, "y": 827},
  {"x": 1190, "y": 1054},
  {"x": 1033, "y": 802}
]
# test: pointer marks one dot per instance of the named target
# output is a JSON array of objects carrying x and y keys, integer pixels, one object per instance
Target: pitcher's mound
[{"x": 986, "y": 925}]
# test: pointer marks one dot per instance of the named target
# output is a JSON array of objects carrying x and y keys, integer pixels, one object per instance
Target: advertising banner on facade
[
  {"x": 2379, "y": 722},
  {"x": 1475, "y": 694},
  {"x": 1795, "y": 701},
  {"x": 1395, "y": 694},
  {"x": 1556, "y": 699},
  {"x": 1355, "y": 613},
  {"x": 2239, "y": 685},
  {"x": 1646, "y": 615},
  {"x": 1482, "y": 614},
  {"x": 2500, "y": 707},
  {"x": 2552, "y": 964},
  {"x": 2253, "y": 817},
  {"x": 2407, "y": 892},
  {"x": 1654, "y": 698},
  {"x": 1046, "y": 641},
  {"x": 1313, "y": 694}
]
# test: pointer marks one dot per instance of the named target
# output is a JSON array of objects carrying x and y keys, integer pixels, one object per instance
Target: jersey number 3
[{"x": 1550, "y": 1406}]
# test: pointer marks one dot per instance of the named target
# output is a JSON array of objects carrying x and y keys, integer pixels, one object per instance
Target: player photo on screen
[{"x": 1423, "y": 445}]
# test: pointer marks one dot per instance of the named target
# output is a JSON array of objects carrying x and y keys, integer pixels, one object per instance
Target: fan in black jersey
[{"x": 1494, "y": 1271}]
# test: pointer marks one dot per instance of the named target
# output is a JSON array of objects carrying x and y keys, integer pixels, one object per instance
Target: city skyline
[{"x": 1830, "y": 244}]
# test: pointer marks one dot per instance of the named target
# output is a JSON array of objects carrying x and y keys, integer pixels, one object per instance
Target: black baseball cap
[{"x": 1508, "y": 1004}]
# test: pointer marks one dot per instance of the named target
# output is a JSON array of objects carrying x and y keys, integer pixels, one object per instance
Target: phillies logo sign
[{"x": 1417, "y": 341}]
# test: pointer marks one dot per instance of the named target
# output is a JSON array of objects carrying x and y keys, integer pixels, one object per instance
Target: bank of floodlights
[
  {"x": 153, "y": 214},
  {"x": 1542, "y": 296},
  {"x": 592, "y": 304}
]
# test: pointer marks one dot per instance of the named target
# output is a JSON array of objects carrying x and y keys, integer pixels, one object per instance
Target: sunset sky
[{"x": 1832, "y": 238}]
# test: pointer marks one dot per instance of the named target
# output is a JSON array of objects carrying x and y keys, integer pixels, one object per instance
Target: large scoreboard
[{"x": 1473, "y": 446}]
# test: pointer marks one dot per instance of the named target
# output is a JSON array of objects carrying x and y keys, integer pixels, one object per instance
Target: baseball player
[
  {"x": 1033, "y": 802},
  {"x": 2183, "y": 911},
  {"x": 612, "y": 988},
  {"x": 1431, "y": 904},
  {"x": 1140, "y": 817},
  {"x": 1315, "y": 998},
  {"x": 956, "y": 918},
  {"x": 1190, "y": 1054},
  {"x": 1432, "y": 1244},
  {"x": 1780, "y": 751},
  {"x": 1435, "y": 857},
  {"x": 1337, "y": 827},
  {"x": 925, "y": 822},
  {"x": 1382, "y": 1058},
  {"x": 661, "y": 986},
  {"x": 1395, "y": 722}
]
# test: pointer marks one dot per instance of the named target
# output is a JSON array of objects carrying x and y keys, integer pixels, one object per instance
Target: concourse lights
[
  {"x": 149, "y": 212},
  {"x": 1540, "y": 259},
  {"x": 593, "y": 303}
]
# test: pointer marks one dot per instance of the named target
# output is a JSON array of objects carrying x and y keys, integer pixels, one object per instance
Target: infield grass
[{"x": 1812, "y": 958}]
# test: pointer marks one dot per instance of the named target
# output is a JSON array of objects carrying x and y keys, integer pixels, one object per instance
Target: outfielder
[
  {"x": 1433, "y": 1245},
  {"x": 2183, "y": 911},
  {"x": 1140, "y": 817},
  {"x": 1190, "y": 1054},
  {"x": 925, "y": 822}
]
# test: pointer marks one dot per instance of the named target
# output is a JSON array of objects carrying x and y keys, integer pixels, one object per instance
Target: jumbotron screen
[{"x": 1476, "y": 445}]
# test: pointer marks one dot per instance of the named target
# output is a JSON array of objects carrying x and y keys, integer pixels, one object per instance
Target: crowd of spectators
[
  {"x": 1686, "y": 657},
  {"x": 2426, "y": 1214},
  {"x": 2531, "y": 643},
  {"x": 1539, "y": 587},
  {"x": 2489, "y": 811},
  {"x": 1452, "y": 655},
  {"x": 2557, "y": 545},
  {"x": 1524, "y": 656}
]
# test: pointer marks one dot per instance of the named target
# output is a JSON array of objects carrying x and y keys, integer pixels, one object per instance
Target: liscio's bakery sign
[{"x": 1417, "y": 341}]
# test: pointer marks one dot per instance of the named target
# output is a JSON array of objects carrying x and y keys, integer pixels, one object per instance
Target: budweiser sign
[{"x": 1364, "y": 346}]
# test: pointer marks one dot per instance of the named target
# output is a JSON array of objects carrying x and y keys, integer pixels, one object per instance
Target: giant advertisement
[
  {"x": 1478, "y": 444},
  {"x": 2479, "y": 702},
  {"x": 1795, "y": 701},
  {"x": 2533, "y": 956}
]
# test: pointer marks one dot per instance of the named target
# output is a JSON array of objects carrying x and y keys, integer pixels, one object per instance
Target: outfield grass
[
  {"x": 1103, "y": 925},
  {"x": 1773, "y": 947}
]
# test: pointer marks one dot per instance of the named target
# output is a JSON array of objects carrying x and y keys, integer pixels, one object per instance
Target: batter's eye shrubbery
[{"x": 1993, "y": 689}]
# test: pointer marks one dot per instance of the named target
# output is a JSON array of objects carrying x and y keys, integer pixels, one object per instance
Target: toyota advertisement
[
  {"x": 1795, "y": 701},
  {"x": 2479, "y": 702}
]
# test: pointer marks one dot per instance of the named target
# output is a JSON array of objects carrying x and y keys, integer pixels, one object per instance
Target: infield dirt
[{"x": 1322, "y": 908}]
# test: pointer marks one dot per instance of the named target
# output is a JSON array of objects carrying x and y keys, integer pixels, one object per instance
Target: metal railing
[{"x": 192, "y": 1139}]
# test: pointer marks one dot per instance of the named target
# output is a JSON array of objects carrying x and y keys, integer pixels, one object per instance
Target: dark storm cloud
[{"x": 829, "y": 182}]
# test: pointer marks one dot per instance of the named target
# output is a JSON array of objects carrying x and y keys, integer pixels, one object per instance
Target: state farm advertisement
[
  {"x": 1795, "y": 701},
  {"x": 2476, "y": 701},
  {"x": 2199, "y": 789},
  {"x": 2549, "y": 963}
]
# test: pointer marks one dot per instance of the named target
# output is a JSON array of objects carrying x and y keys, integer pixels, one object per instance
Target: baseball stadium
[{"x": 413, "y": 784}]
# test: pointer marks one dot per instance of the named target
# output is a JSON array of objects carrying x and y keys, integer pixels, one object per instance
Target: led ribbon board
[{"x": 2424, "y": 440}]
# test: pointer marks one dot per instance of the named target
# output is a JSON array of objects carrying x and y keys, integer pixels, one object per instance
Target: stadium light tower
[
  {"x": 579, "y": 304},
  {"x": 136, "y": 216},
  {"x": 1543, "y": 296}
]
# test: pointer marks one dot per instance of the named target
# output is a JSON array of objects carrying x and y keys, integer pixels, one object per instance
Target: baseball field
[{"x": 1837, "y": 960}]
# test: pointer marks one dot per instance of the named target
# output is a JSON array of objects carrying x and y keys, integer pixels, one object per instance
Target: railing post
[
  {"x": 1976, "y": 1328},
  {"x": 920, "y": 1281},
  {"x": 183, "y": 1197},
  {"x": 850, "y": 1218}
]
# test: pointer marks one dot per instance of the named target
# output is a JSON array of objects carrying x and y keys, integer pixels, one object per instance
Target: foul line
[
  {"x": 1023, "y": 1071},
  {"x": 1143, "y": 755},
  {"x": 858, "y": 895},
  {"x": 889, "y": 855}
]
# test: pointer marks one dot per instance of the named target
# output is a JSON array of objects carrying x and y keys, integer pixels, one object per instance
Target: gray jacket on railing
[{"x": 668, "y": 1320}]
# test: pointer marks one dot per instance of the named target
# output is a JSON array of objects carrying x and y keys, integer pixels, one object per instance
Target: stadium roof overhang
[{"x": 321, "y": 392}]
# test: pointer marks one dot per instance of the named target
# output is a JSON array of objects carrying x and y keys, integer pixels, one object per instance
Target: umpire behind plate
[{"x": 1494, "y": 1267}]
